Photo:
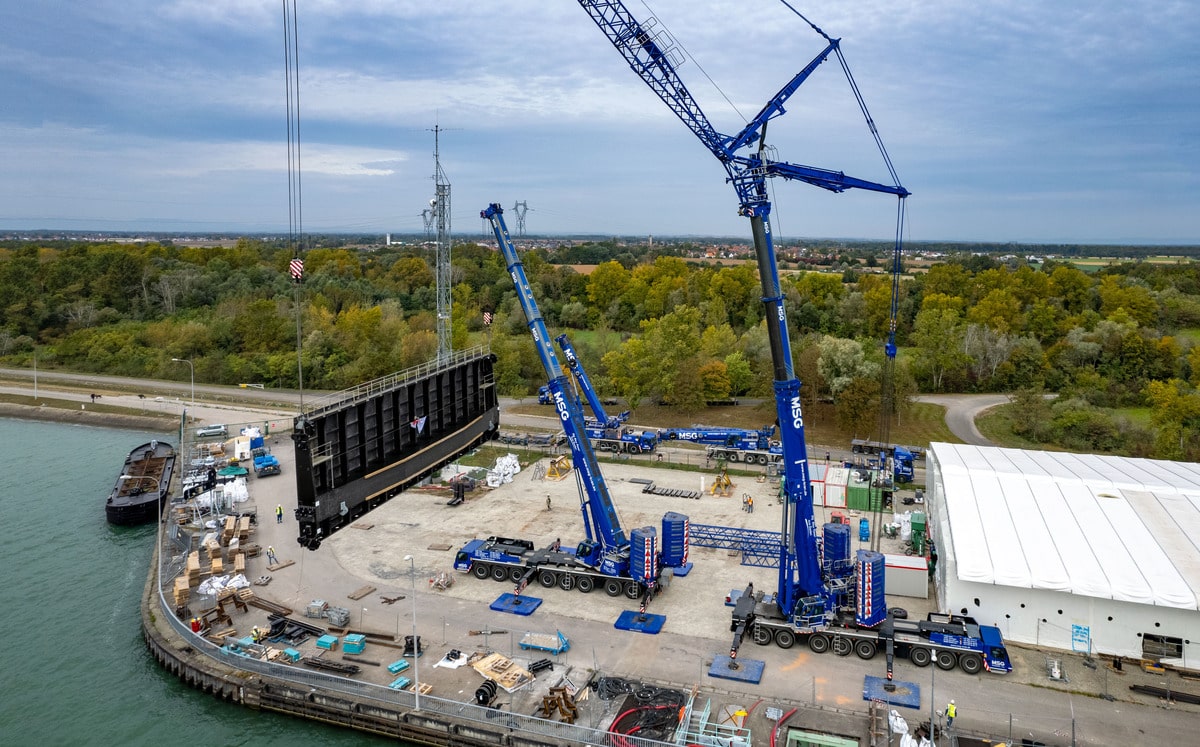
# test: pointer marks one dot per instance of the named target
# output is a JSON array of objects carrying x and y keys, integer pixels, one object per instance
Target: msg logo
[{"x": 797, "y": 414}]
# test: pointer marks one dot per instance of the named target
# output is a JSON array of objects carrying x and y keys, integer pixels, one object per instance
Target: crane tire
[
  {"x": 842, "y": 646},
  {"x": 632, "y": 589},
  {"x": 566, "y": 582},
  {"x": 761, "y": 635},
  {"x": 480, "y": 570},
  {"x": 865, "y": 649},
  {"x": 499, "y": 573},
  {"x": 547, "y": 579},
  {"x": 785, "y": 638},
  {"x": 946, "y": 660},
  {"x": 515, "y": 574},
  {"x": 613, "y": 587},
  {"x": 818, "y": 643},
  {"x": 584, "y": 584},
  {"x": 970, "y": 663},
  {"x": 920, "y": 657}
]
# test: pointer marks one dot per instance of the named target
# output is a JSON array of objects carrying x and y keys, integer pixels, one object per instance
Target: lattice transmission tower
[
  {"x": 441, "y": 218},
  {"x": 520, "y": 208}
]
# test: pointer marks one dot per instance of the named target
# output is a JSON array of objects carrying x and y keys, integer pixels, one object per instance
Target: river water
[{"x": 74, "y": 669}]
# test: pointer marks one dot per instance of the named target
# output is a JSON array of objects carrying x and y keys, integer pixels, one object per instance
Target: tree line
[{"x": 651, "y": 324}]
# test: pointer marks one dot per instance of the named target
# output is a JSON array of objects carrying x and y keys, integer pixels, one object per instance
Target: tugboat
[{"x": 142, "y": 485}]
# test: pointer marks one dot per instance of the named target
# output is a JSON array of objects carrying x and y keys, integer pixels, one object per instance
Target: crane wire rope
[
  {"x": 291, "y": 63},
  {"x": 677, "y": 43}
]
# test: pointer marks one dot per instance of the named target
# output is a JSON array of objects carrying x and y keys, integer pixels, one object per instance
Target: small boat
[{"x": 143, "y": 485}]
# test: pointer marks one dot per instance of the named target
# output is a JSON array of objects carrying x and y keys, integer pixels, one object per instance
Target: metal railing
[
  {"x": 391, "y": 381},
  {"x": 557, "y": 732}
]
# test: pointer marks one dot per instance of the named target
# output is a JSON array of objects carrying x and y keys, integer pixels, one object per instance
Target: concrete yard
[{"x": 371, "y": 552}]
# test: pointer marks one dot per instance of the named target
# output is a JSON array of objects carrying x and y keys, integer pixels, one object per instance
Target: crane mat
[
  {"x": 362, "y": 525},
  {"x": 748, "y": 670},
  {"x": 438, "y": 546},
  {"x": 361, "y": 592},
  {"x": 896, "y": 693}
]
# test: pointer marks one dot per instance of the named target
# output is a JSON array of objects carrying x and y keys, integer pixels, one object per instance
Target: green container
[
  {"x": 918, "y": 532},
  {"x": 858, "y": 498}
]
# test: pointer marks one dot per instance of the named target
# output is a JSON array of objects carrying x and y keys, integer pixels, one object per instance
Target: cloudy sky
[{"x": 1021, "y": 120}]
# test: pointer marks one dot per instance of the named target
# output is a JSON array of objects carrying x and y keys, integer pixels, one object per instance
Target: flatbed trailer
[{"x": 555, "y": 643}]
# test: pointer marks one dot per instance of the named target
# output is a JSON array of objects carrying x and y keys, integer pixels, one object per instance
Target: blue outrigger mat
[
  {"x": 516, "y": 605},
  {"x": 639, "y": 623},
  {"x": 748, "y": 670},
  {"x": 684, "y": 569},
  {"x": 907, "y": 694}
]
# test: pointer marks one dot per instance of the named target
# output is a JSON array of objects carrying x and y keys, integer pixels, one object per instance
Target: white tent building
[{"x": 1072, "y": 551}]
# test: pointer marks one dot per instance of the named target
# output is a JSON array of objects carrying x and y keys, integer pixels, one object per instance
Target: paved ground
[{"x": 418, "y": 523}]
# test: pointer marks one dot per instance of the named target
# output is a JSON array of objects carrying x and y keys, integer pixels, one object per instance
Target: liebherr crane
[{"x": 803, "y": 596}]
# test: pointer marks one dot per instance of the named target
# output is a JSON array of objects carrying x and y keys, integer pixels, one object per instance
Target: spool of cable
[{"x": 485, "y": 692}]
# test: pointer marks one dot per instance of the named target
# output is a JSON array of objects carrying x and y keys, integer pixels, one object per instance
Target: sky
[{"x": 1048, "y": 121}]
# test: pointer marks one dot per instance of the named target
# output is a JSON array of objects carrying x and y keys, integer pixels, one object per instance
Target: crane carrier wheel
[
  {"x": 865, "y": 649},
  {"x": 499, "y": 573},
  {"x": 585, "y": 584},
  {"x": 761, "y": 635},
  {"x": 547, "y": 579},
  {"x": 946, "y": 660},
  {"x": 480, "y": 570},
  {"x": 818, "y": 643},
  {"x": 970, "y": 663},
  {"x": 785, "y": 638},
  {"x": 632, "y": 589},
  {"x": 920, "y": 657},
  {"x": 842, "y": 646},
  {"x": 613, "y": 587}
]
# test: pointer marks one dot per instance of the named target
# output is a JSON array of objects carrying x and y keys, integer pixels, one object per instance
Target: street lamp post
[
  {"x": 192, "y": 371},
  {"x": 416, "y": 643}
]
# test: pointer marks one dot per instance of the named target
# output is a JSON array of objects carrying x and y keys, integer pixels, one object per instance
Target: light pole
[
  {"x": 192, "y": 371},
  {"x": 416, "y": 644}
]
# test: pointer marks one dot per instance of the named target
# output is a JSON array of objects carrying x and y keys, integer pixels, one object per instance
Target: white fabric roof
[{"x": 1100, "y": 526}]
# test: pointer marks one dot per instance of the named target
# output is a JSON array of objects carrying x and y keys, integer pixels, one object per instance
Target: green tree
[
  {"x": 741, "y": 377},
  {"x": 858, "y": 405},
  {"x": 938, "y": 341}
]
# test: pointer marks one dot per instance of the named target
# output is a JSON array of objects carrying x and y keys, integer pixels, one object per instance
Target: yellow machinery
[
  {"x": 722, "y": 486},
  {"x": 560, "y": 467}
]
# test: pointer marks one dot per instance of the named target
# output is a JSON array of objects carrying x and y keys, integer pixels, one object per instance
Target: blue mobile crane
[
  {"x": 732, "y": 444},
  {"x": 808, "y": 602},
  {"x": 607, "y": 432},
  {"x": 607, "y": 558}
]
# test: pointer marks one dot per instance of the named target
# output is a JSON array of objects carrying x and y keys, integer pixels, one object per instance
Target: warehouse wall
[{"x": 1051, "y": 618}]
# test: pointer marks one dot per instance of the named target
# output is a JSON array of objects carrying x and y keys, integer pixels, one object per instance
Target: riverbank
[{"x": 58, "y": 414}]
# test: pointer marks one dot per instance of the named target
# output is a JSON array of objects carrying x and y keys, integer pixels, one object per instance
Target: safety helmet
[{"x": 952, "y": 702}]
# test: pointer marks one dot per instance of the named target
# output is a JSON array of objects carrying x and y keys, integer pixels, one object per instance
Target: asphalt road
[{"x": 961, "y": 411}]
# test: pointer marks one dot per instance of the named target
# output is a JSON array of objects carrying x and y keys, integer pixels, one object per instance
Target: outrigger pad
[
  {"x": 516, "y": 605},
  {"x": 684, "y": 569},
  {"x": 748, "y": 670},
  {"x": 907, "y": 694},
  {"x": 639, "y": 623}
]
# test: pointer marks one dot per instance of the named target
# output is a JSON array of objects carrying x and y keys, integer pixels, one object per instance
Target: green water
[{"x": 73, "y": 667}]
